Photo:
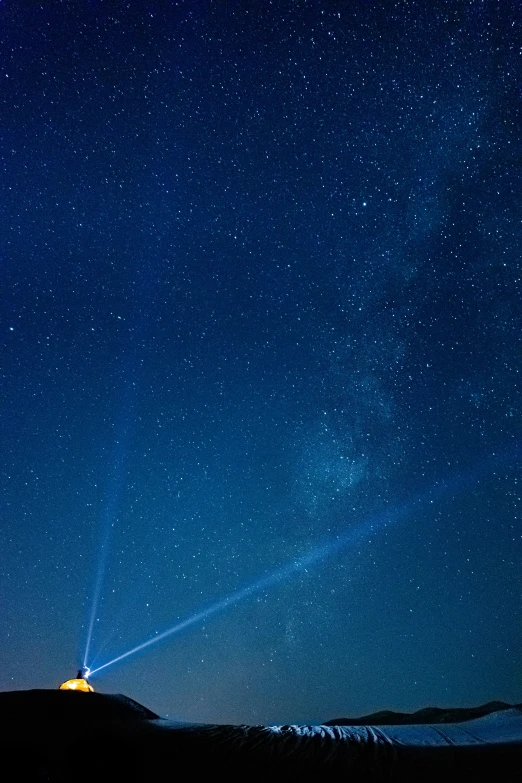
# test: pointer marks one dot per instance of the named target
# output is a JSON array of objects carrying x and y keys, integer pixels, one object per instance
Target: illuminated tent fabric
[{"x": 76, "y": 685}]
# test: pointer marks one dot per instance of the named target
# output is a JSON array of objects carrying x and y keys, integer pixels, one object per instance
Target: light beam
[
  {"x": 367, "y": 528},
  {"x": 115, "y": 486}
]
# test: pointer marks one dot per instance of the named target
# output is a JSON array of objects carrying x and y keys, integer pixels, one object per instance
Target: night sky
[{"x": 260, "y": 327}]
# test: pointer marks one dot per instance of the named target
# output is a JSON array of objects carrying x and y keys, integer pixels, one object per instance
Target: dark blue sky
[{"x": 261, "y": 291}]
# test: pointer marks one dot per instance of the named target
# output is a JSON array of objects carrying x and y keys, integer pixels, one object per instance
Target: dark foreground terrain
[{"x": 71, "y": 736}]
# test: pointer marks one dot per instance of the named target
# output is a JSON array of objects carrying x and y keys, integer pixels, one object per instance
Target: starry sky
[{"x": 260, "y": 337}]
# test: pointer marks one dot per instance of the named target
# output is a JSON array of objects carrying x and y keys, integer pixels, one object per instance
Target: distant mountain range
[{"x": 426, "y": 715}]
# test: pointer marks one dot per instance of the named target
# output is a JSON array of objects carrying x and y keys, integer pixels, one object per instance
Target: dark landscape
[{"x": 70, "y": 736}]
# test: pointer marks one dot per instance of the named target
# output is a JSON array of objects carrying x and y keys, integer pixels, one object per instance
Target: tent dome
[{"x": 77, "y": 685}]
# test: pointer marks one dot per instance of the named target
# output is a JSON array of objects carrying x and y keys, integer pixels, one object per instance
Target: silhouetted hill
[
  {"x": 66, "y": 736},
  {"x": 426, "y": 715},
  {"x": 46, "y": 705}
]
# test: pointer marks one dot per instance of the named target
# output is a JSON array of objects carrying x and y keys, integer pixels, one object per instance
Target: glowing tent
[
  {"x": 76, "y": 685},
  {"x": 79, "y": 683}
]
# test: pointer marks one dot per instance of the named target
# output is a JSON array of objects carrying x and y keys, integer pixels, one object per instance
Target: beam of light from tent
[
  {"x": 107, "y": 525},
  {"x": 366, "y": 529},
  {"x": 260, "y": 585},
  {"x": 143, "y": 285}
]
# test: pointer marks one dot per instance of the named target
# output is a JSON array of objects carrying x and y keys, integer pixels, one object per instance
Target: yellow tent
[{"x": 77, "y": 685}]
